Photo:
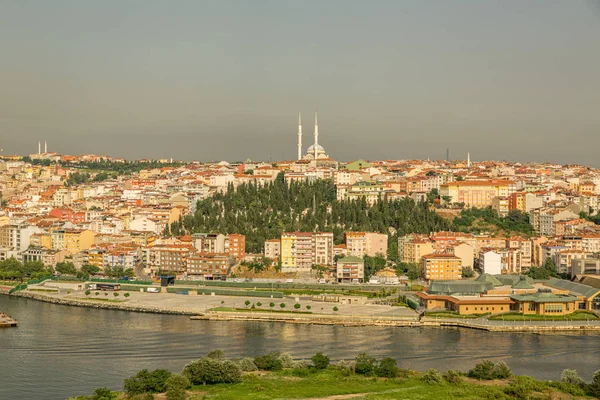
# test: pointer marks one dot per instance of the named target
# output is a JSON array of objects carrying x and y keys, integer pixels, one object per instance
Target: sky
[{"x": 224, "y": 80}]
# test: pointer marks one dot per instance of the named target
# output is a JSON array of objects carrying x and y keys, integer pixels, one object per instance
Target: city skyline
[{"x": 391, "y": 81}]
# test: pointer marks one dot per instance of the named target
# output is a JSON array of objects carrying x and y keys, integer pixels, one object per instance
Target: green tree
[
  {"x": 247, "y": 303},
  {"x": 65, "y": 268},
  {"x": 297, "y": 306},
  {"x": 210, "y": 371},
  {"x": 177, "y": 386},
  {"x": 467, "y": 272},
  {"x": 387, "y": 368},
  {"x": 320, "y": 361},
  {"x": 364, "y": 364},
  {"x": 146, "y": 382},
  {"x": 104, "y": 394},
  {"x": 282, "y": 305},
  {"x": 269, "y": 362}
]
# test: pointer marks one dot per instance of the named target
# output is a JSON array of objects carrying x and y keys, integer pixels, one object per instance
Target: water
[{"x": 60, "y": 351}]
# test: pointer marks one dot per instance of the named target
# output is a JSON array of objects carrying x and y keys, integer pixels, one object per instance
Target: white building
[{"x": 490, "y": 262}]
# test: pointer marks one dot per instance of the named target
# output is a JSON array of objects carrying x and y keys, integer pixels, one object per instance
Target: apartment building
[
  {"x": 301, "y": 250},
  {"x": 477, "y": 193},
  {"x": 235, "y": 245},
  {"x": 370, "y": 243},
  {"x": 208, "y": 266},
  {"x": 441, "y": 267},
  {"x": 414, "y": 249},
  {"x": 350, "y": 269},
  {"x": 273, "y": 249}
]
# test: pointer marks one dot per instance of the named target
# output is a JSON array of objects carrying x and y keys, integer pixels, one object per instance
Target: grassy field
[
  {"x": 230, "y": 309},
  {"x": 44, "y": 290},
  {"x": 449, "y": 314},
  {"x": 325, "y": 384},
  {"x": 576, "y": 316}
]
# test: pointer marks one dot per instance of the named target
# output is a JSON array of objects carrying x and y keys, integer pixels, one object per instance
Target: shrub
[
  {"x": 268, "y": 362},
  {"x": 308, "y": 307},
  {"x": 286, "y": 360},
  {"x": 387, "y": 368},
  {"x": 271, "y": 304},
  {"x": 247, "y": 365},
  {"x": 209, "y": 371},
  {"x": 177, "y": 386},
  {"x": 216, "y": 354},
  {"x": 87, "y": 292},
  {"x": 247, "y": 303},
  {"x": 453, "y": 377},
  {"x": 432, "y": 377},
  {"x": 297, "y": 306},
  {"x": 258, "y": 304},
  {"x": 594, "y": 387},
  {"x": 282, "y": 305},
  {"x": 105, "y": 293},
  {"x": 127, "y": 294},
  {"x": 116, "y": 294},
  {"x": 343, "y": 364},
  {"x": 146, "y": 382},
  {"x": 104, "y": 394},
  {"x": 300, "y": 364},
  {"x": 335, "y": 308},
  {"x": 364, "y": 364},
  {"x": 487, "y": 370},
  {"x": 97, "y": 293},
  {"x": 570, "y": 376},
  {"x": 320, "y": 361}
]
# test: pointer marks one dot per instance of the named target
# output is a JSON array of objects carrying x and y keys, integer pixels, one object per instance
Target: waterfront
[{"x": 58, "y": 351}]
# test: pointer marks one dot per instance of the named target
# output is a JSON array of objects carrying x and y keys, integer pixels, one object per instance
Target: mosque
[{"x": 315, "y": 151}]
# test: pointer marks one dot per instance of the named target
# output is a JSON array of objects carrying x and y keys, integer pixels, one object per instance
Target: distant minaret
[
  {"x": 468, "y": 160},
  {"x": 39, "y": 147},
  {"x": 316, "y": 137},
  {"x": 45, "y": 146},
  {"x": 299, "y": 135},
  {"x": 448, "y": 154}
]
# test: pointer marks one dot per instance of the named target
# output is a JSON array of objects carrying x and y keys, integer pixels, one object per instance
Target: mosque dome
[{"x": 320, "y": 149}]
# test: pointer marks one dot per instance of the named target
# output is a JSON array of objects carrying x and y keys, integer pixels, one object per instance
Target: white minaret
[
  {"x": 468, "y": 160},
  {"x": 45, "y": 146},
  {"x": 299, "y": 135},
  {"x": 39, "y": 147},
  {"x": 316, "y": 137}
]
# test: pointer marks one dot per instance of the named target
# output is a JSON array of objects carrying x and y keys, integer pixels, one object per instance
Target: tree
[
  {"x": 104, "y": 394},
  {"x": 210, "y": 371},
  {"x": 269, "y": 362},
  {"x": 177, "y": 386},
  {"x": 282, "y": 305},
  {"x": 467, "y": 272},
  {"x": 216, "y": 354},
  {"x": 364, "y": 364},
  {"x": 413, "y": 272},
  {"x": 320, "y": 361},
  {"x": 297, "y": 306},
  {"x": 373, "y": 264},
  {"x": 146, "y": 382},
  {"x": 116, "y": 294},
  {"x": 258, "y": 304},
  {"x": 335, "y": 308},
  {"x": 488, "y": 370},
  {"x": 65, "y": 268},
  {"x": 308, "y": 307},
  {"x": 387, "y": 368},
  {"x": 127, "y": 294},
  {"x": 87, "y": 292},
  {"x": 570, "y": 376},
  {"x": 247, "y": 303},
  {"x": 271, "y": 304}
]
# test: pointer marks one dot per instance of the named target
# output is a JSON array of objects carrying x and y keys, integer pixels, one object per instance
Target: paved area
[{"x": 201, "y": 303}]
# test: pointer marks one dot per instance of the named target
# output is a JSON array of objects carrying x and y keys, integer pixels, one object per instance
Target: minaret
[
  {"x": 299, "y": 135},
  {"x": 45, "y": 146},
  {"x": 316, "y": 137},
  {"x": 39, "y": 147},
  {"x": 468, "y": 160}
]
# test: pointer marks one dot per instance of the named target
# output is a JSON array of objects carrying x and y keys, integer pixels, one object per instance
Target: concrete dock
[{"x": 6, "y": 321}]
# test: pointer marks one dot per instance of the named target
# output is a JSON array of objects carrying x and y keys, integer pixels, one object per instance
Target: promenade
[{"x": 230, "y": 308}]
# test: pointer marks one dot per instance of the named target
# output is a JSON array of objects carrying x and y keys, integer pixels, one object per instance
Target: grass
[
  {"x": 231, "y": 309},
  {"x": 333, "y": 382},
  {"x": 44, "y": 290},
  {"x": 451, "y": 314},
  {"x": 330, "y": 290},
  {"x": 576, "y": 316}
]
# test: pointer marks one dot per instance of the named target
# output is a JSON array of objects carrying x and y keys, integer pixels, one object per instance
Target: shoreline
[{"x": 314, "y": 319}]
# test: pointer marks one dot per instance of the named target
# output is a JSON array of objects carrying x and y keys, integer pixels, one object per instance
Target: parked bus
[{"x": 105, "y": 286}]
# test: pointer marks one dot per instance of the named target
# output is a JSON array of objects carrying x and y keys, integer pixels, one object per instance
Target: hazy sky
[{"x": 221, "y": 79}]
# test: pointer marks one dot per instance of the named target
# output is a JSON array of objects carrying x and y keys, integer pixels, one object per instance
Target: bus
[{"x": 105, "y": 286}]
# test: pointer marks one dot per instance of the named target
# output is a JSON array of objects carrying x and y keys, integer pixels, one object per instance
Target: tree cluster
[
  {"x": 264, "y": 212},
  {"x": 515, "y": 222},
  {"x": 546, "y": 271}
]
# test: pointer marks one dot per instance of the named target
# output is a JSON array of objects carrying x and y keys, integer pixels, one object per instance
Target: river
[{"x": 61, "y": 351}]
